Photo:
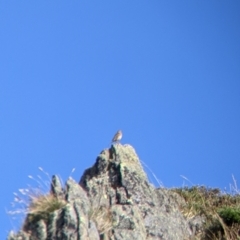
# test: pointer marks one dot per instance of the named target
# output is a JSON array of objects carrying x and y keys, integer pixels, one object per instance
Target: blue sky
[{"x": 167, "y": 73}]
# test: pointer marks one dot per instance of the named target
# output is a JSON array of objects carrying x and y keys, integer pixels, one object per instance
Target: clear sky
[{"x": 167, "y": 73}]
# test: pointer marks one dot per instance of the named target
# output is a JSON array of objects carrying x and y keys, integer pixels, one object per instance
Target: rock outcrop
[{"x": 113, "y": 201}]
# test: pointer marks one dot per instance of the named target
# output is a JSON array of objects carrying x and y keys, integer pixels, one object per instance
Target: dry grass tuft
[
  {"x": 41, "y": 206},
  {"x": 102, "y": 217},
  {"x": 36, "y": 202},
  {"x": 100, "y": 212}
]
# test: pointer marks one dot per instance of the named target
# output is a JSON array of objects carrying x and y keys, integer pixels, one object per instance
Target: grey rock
[
  {"x": 56, "y": 187},
  {"x": 113, "y": 201}
]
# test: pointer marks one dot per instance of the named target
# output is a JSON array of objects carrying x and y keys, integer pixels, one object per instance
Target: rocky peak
[{"x": 113, "y": 200}]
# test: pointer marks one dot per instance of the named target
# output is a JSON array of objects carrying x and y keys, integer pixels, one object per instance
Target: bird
[{"x": 118, "y": 136}]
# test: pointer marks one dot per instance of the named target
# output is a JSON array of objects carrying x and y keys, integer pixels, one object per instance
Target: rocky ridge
[{"x": 113, "y": 201}]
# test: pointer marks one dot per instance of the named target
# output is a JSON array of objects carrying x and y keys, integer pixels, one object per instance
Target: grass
[
  {"x": 41, "y": 206},
  {"x": 102, "y": 217},
  {"x": 100, "y": 212},
  {"x": 35, "y": 202},
  {"x": 147, "y": 169},
  {"x": 220, "y": 211}
]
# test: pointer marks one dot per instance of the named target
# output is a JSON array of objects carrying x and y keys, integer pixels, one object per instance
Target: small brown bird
[{"x": 117, "y": 137}]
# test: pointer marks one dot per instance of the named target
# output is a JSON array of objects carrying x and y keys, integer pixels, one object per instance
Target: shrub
[{"x": 230, "y": 215}]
